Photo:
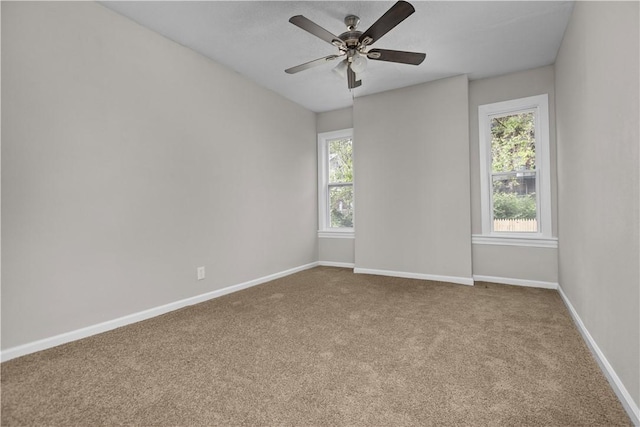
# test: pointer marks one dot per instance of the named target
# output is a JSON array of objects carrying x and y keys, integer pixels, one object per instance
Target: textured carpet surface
[{"x": 326, "y": 347}]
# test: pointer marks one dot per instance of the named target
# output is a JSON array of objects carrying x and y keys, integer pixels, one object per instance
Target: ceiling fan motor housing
[{"x": 351, "y": 38}]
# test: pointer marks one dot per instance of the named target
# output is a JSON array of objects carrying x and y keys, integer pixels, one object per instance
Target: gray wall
[
  {"x": 516, "y": 262},
  {"x": 128, "y": 161},
  {"x": 597, "y": 114},
  {"x": 412, "y": 179},
  {"x": 339, "y": 251},
  {"x": 334, "y": 120},
  {"x": 336, "y": 250},
  {"x": 507, "y": 261}
]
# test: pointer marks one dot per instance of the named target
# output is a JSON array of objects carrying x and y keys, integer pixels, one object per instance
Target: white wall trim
[
  {"x": 336, "y": 264},
  {"x": 516, "y": 282},
  {"x": 452, "y": 279},
  {"x": 88, "y": 331},
  {"x": 618, "y": 387},
  {"x": 531, "y": 242}
]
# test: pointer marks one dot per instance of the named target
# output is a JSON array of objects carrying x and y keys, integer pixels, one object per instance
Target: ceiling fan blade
[
  {"x": 412, "y": 58},
  {"x": 315, "y": 29},
  {"x": 351, "y": 79},
  {"x": 398, "y": 13},
  {"x": 310, "y": 64}
]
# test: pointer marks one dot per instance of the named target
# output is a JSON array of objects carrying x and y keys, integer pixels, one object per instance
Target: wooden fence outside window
[{"x": 528, "y": 225}]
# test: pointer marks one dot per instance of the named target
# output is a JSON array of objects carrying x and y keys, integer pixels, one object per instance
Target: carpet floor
[{"x": 326, "y": 347}]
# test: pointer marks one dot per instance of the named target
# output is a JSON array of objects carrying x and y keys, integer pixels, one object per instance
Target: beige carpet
[{"x": 326, "y": 347}]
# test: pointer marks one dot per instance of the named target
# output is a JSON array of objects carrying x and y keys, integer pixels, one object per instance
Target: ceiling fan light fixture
[
  {"x": 341, "y": 69},
  {"x": 358, "y": 63}
]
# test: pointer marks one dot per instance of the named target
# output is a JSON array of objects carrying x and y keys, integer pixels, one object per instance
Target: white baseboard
[
  {"x": 336, "y": 264},
  {"x": 621, "y": 391},
  {"x": 451, "y": 279},
  {"x": 516, "y": 282},
  {"x": 43, "y": 344}
]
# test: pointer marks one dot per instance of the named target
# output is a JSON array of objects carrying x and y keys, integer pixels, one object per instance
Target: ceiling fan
[{"x": 353, "y": 44}]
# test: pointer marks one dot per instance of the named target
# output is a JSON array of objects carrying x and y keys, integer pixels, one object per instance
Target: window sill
[
  {"x": 536, "y": 241},
  {"x": 337, "y": 234}
]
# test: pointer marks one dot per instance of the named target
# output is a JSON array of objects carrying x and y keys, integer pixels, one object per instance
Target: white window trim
[
  {"x": 510, "y": 240},
  {"x": 539, "y": 104},
  {"x": 323, "y": 181},
  {"x": 341, "y": 233}
]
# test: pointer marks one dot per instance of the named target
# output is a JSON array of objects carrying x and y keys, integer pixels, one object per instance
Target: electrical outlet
[{"x": 200, "y": 273}]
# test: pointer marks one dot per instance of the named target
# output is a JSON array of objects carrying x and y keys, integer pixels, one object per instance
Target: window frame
[
  {"x": 324, "y": 229},
  {"x": 539, "y": 105}
]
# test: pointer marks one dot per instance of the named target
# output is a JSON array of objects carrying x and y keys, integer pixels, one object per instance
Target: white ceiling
[{"x": 477, "y": 38}]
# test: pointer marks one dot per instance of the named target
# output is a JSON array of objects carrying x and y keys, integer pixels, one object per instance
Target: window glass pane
[
  {"x": 340, "y": 160},
  {"x": 341, "y": 206},
  {"x": 514, "y": 202},
  {"x": 513, "y": 144}
]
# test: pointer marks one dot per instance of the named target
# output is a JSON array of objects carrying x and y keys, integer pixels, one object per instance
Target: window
[
  {"x": 335, "y": 183},
  {"x": 514, "y": 167}
]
